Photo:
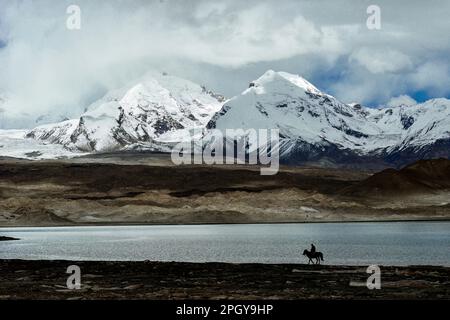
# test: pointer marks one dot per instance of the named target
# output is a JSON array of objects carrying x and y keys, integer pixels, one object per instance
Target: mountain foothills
[
  {"x": 161, "y": 110},
  {"x": 420, "y": 178}
]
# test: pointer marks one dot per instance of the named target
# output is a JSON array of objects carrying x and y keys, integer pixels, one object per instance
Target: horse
[{"x": 313, "y": 255}]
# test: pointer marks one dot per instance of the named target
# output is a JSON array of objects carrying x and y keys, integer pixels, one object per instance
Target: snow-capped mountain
[
  {"x": 418, "y": 125},
  {"x": 156, "y": 112},
  {"x": 301, "y": 112},
  {"x": 315, "y": 126},
  {"x": 160, "y": 110},
  {"x": 424, "y": 131}
]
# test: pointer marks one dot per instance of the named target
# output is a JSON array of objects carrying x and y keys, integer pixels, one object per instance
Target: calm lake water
[{"x": 399, "y": 243}]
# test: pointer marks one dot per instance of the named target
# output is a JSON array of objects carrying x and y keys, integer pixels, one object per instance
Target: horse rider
[{"x": 313, "y": 248}]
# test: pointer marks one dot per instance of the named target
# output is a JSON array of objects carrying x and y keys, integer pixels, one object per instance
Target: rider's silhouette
[{"x": 313, "y": 248}]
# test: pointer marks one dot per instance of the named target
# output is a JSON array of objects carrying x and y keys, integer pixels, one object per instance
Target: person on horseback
[{"x": 313, "y": 254}]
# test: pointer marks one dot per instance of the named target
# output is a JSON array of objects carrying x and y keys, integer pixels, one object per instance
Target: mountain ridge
[
  {"x": 160, "y": 111},
  {"x": 314, "y": 125}
]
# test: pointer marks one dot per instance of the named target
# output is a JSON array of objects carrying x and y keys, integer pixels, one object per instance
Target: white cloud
[
  {"x": 381, "y": 60},
  {"x": 48, "y": 68},
  {"x": 433, "y": 76},
  {"x": 401, "y": 100}
]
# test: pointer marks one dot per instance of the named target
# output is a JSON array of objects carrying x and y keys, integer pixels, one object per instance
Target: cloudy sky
[{"x": 47, "y": 68}]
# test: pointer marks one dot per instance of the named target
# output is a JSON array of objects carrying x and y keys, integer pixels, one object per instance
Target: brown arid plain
[{"x": 116, "y": 189}]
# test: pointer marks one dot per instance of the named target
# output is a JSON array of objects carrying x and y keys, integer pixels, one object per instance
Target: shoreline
[
  {"x": 130, "y": 224},
  {"x": 146, "y": 280},
  {"x": 324, "y": 264}
]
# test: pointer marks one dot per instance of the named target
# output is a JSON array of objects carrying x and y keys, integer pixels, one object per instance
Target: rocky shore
[{"x": 171, "y": 280}]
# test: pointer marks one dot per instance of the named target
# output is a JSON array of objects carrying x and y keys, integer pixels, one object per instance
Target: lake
[{"x": 383, "y": 243}]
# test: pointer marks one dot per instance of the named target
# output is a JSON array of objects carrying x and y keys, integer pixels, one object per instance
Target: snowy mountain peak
[
  {"x": 312, "y": 123},
  {"x": 271, "y": 76},
  {"x": 159, "y": 109}
]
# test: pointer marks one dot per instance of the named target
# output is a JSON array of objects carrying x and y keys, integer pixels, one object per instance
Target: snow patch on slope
[{"x": 13, "y": 143}]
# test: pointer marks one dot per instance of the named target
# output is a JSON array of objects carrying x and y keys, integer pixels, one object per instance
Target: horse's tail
[{"x": 321, "y": 256}]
